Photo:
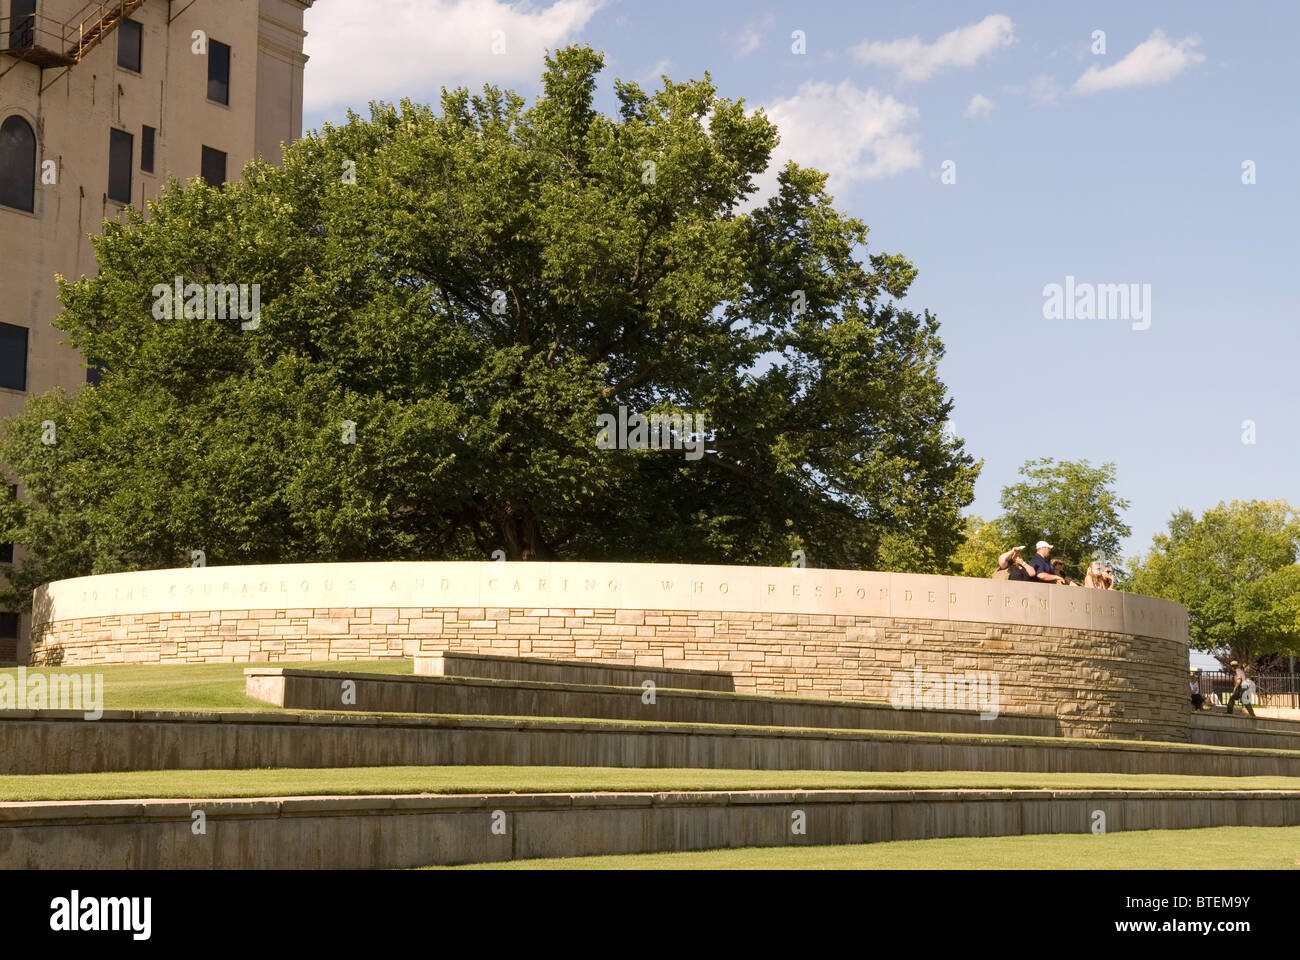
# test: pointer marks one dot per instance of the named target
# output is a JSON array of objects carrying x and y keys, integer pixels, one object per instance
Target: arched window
[{"x": 17, "y": 164}]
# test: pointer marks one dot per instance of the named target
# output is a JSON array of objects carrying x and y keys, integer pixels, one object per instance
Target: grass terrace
[
  {"x": 197, "y": 686},
  {"x": 338, "y": 781},
  {"x": 1210, "y": 848}
]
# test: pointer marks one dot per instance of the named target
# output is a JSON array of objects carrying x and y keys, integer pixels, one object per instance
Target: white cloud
[
  {"x": 979, "y": 108},
  {"x": 386, "y": 49},
  {"x": 1042, "y": 89},
  {"x": 849, "y": 133},
  {"x": 1155, "y": 60},
  {"x": 916, "y": 60},
  {"x": 650, "y": 80},
  {"x": 750, "y": 38}
]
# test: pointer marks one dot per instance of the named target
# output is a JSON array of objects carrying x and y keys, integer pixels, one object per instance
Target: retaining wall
[
  {"x": 487, "y": 667},
  {"x": 407, "y": 831},
  {"x": 1104, "y": 663},
  {"x": 336, "y": 690},
  {"x": 1220, "y": 730},
  {"x": 63, "y": 742}
]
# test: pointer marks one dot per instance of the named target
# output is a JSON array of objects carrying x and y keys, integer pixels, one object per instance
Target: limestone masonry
[{"x": 1104, "y": 663}]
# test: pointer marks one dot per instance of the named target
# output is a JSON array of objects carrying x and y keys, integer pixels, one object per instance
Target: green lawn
[
  {"x": 198, "y": 686},
  {"x": 466, "y": 779},
  {"x": 1213, "y": 848}
]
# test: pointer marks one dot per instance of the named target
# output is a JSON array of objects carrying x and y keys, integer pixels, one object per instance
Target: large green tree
[
  {"x": 1235, "y": 570},
  {"x": 472, "y": 286},
  {"x": 1073, "y": 505},
  {"x": 984, "y": 542}
]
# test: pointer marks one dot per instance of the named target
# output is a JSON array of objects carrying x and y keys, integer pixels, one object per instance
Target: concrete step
[
  {"x": 1242, "y": 730},
  {"x": 301, "y": 689},
  {"x": 454, "y": 664},
  {"x": 51, "y": 741},
  {"x": 407, "y": 831}
]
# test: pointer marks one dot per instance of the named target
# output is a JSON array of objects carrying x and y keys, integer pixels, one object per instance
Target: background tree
[
  {"x": 1071, "y": 504},
  {"x": 979, "y": 551},
  {"x": 1235, "y": 570},
  {"x": 493, "y": 278}
]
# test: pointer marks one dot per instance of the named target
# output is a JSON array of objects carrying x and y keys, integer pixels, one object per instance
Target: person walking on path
[{"x": 1243, "y": 689}]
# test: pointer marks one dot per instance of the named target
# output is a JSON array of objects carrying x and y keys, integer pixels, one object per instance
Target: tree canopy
[
  {"x": 1071, "y": 504},
  {"x": 472, "y": 287},
  {"x": 984, "y": 542},
  {"x": 1235, "y": 570}
]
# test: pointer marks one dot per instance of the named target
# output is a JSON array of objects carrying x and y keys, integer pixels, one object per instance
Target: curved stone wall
[{"x": 1104, "y": 663}]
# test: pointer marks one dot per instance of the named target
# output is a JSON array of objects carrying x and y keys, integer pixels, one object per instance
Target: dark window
[
  {"x": 13, "y": 356},
  {"x": 121, "y": 146},
  {"x": 146, "y": 149},
  {"x": 214, "y": 167},
  {"x": 17, "y": 164},
  {"x": 130, "y": 38},
  {"x": 219, "y": 72},
  {"x": 95, "y": 373},
  {"x": 6, "y": 553},
  {"x": 7, "y": 549},
  {"x": 9, "y": 626},
  {"x": 22, "y": 28}
]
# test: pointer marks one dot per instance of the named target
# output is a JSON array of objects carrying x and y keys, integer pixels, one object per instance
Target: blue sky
[{"x": 1122, "y": 167}]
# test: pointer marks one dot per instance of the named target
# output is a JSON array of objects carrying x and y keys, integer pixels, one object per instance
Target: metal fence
[{"x": 1271, "y": 689}]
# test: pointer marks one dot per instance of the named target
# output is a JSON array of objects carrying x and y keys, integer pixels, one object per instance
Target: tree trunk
[{"x": 523, "y": 534}]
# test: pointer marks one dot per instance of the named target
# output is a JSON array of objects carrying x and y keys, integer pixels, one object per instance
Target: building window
[
  {"x": 214, "y": 167},
  {"x": 13, "y": 357},
  {"x": 7, "y": 549},
  {"x": 218, "y": 72},
  {"x": 146, "y": 149},
  {"x": 130, "y": 40},
  {"x": 9, "y": 626},
  {"x": 22, "y": 25},
  {"x": 17, "y": 164},
  {"x": 121, "y": 147},
  {"x": 95, "y": 373}
]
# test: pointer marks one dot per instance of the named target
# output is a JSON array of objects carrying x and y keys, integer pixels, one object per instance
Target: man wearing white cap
[{"x": 1043, "y": 565}]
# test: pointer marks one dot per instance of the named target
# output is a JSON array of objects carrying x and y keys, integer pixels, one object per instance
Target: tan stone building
[{"x": 99, "y": 104}]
